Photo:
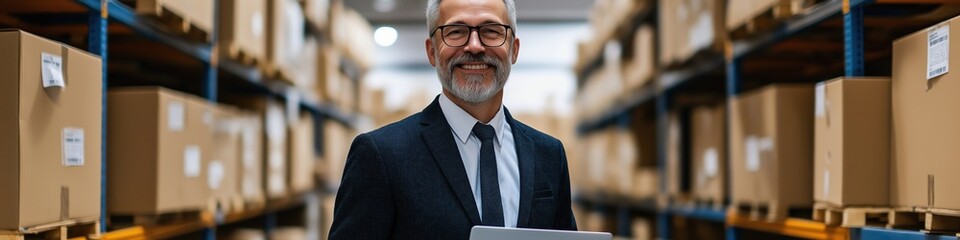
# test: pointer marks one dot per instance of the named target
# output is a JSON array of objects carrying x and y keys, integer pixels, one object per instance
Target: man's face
[{"x": 474, "y": 72}]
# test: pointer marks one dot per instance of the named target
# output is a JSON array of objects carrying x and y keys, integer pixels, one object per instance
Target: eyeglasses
[{"x": 457, "y": 35}]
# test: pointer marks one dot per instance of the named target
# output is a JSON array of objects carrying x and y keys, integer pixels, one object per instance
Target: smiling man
[{"x": 464, "y": 160}]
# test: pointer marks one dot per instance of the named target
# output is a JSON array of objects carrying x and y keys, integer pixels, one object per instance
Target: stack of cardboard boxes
[{"x": 689, "y": 26}]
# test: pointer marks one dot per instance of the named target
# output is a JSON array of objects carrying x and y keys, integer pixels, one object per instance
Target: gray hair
[{"x": 433, "y": 13}]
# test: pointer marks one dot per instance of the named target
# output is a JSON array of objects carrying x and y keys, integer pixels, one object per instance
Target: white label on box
[
  {"x": 938, "y": 51},
  {"x": 191, "y": 161},
  {"x": 275, "y": 184},
  {"x": 710, "y": 162},
  {"x": 208, "y": 118},
  {"x": 293, "y": 27},
  {"x": 752, "y": 149},
  {"x": 293, "y": 106},
  {"x": 51, "y": 70},
  {"x": 820, "y": 99},
  {"x": 72, "y": 147},
  {"x": 215, "y": 174},
  {"x": 826, "y": 183},
  {"x": 249, "y": 148},
  {"x": 256, "y": 24},
  {"x": 176, "y": 116}
]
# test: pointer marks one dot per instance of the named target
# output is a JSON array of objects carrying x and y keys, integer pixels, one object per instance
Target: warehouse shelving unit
[
  {"x": 738, "y": 67},
  {"x": 101, "y": 19}
]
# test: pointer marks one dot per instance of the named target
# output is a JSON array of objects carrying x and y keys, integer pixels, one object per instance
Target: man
[{"x": 463, "y": 161}]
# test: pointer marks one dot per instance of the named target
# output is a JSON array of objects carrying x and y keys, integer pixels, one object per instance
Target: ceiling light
[{"x": 385, "y": 36}]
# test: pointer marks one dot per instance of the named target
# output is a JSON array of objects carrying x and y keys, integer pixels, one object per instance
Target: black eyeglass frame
[{"x": 471, "y": 30}]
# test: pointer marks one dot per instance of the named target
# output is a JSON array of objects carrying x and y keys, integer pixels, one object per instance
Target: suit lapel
[
  {"x": 436, "y": 133},
  {"x": 525, "y": 158}
]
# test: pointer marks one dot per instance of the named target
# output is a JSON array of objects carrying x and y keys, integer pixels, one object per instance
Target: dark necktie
[{"x": 492, "y": 214}]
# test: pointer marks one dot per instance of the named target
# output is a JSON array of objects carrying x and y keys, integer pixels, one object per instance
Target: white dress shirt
[{"x": 508, "y": 170}]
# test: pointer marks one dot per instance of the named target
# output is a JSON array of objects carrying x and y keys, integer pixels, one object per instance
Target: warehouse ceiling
[{"x": 407, "y": 11}]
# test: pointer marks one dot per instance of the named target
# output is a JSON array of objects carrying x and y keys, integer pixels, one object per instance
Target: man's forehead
[{"x": 479, "y": 11}]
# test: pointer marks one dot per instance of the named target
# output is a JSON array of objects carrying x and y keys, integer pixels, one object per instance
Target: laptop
[{"x": 501, "y": 233}]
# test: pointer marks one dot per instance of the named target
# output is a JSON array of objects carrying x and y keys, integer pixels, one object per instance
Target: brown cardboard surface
[
  {"x": 708, "y": 145},
  {"x": 739, "y": 12},
  {"x": 771, "y": 145},
  {"x": 223, "y": 170},
  {"x": 673, "y": 154},
  {"x": 251, "y": 157},
  {"x": 38, "y": 187},
  {"x": 289, "y": 233},
  {"x": 317, "y": 12},
  {"x": 924, "y": 125},
  {"x": 243, "y": 27},
  {"x": 148, "y": 155},
  {"x": 247, "y": 234},
  {"x": 851, "y": 133},
  {"x": 302, "y": 153},
  {"x": 199, "y": 12},
  {"x": 285, "y": 37},
  {"x": 336, "y": 142}
]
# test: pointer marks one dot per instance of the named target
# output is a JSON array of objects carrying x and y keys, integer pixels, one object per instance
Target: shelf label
[
  {"x": 52, "y": 70},
  {"x": 175, "y": 116},
  {"x": 191, "y": 161},
  {"x": 72, "y": 147},
  {"x": 938, "y": 51}
]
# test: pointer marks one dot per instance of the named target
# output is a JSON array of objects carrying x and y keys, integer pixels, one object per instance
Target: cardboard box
[
  {"x": 328, "y": 73},
  {"x": 925, "y": 117},
  {"x": 242, "y": 30},
  {"x": 285, "y": 38},
  {"x": 198, "y": 13},
  {"x": 247, "y": 234},
  {"x": 251, "y": 158},
  {"x": 50, "y": 149},
  {"x": 306, "y": 75},
  {"x": 275, "y": 144},
  {"x": 289, "y": 233},
  {"x": 851, "y": 132},
  {"x": 688, "y": 26},
  {"x": 158, "y": 144},
  {"x": 336, "y": 144},
  {"x": 302, "y": 153},
  {"x": 224, "y": 165},
  {"x": 771, "y": 146},
  {"x": 317, "y": 12},
  {"x": 638, "y": 70},
  {"x": 708, "y": 146},
  {"x": 739, "y": 13},
  {"x": 674, "y": 156}
]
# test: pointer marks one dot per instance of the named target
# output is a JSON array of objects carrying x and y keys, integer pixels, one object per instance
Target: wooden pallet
[
  {"x": 87, "y": 228},
  {"x": 850, "y": 216},
  {"x": 237, "y": 54},
  {"x": 771, "y": 18},
  {"x": 155, "y": 219},
  {"x": 770, "y": 212},
  {"x": 178, "y": 24},
  {"x": 272, "y": 71},
  {"x": 930, "y": 220}
]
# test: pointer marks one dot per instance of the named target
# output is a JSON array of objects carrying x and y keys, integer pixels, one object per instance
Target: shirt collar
[{"x": 462, "y": 122}]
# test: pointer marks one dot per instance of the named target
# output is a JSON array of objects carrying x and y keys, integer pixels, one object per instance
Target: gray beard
[{"x": 472, "y": 89}]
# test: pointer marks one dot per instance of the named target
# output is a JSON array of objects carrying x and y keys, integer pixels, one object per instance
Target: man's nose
[{"x": 473, "y": 43}]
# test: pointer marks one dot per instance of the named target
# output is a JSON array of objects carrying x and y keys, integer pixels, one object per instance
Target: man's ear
[
  {"x": 516, "y": 49},
  {"x": 431, "y": 51}
]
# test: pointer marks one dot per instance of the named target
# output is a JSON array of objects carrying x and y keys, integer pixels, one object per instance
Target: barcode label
[
  {"x": 72, "y": 147},
  {"x": 51, "y": 72},
  {"x": 938, "y": 51}
]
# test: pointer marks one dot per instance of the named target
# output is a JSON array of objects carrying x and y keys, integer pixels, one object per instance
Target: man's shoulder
[
  {"x": 397, "y": 130},
  {"x": 538, "y": 137}
]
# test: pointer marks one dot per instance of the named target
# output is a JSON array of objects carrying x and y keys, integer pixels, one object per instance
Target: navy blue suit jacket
[{"x": 407, "y": 181}]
